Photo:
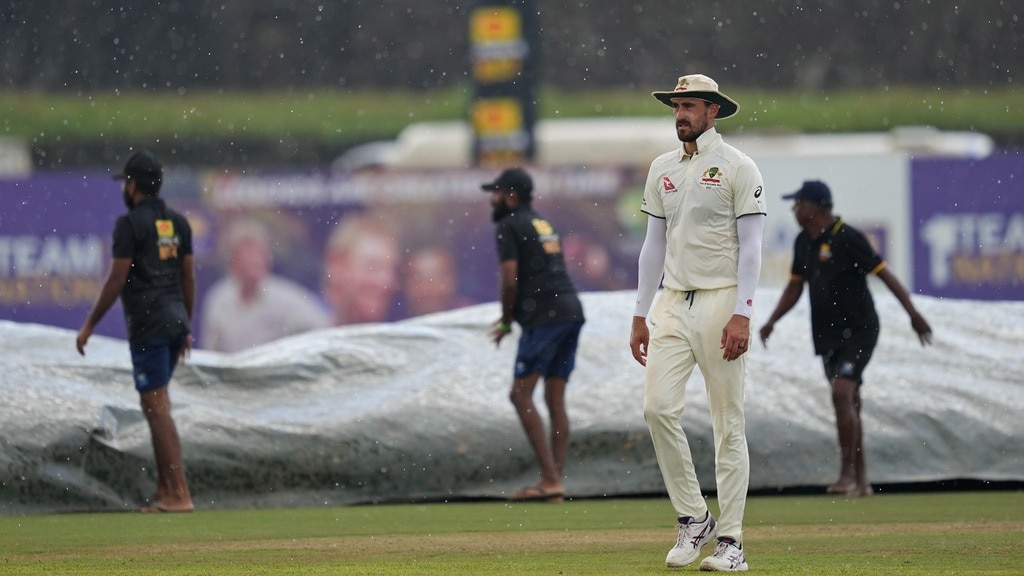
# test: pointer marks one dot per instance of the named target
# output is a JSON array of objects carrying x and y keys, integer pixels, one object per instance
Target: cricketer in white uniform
[{"x": 706, "y": 208}]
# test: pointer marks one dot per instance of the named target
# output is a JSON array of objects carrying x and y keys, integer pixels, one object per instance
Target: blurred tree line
[{"x": 88, "y": 45}]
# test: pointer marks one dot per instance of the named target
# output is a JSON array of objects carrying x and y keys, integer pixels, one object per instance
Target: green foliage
[
  {"x": 910, "y": 534},
  {"x": 346, "y": 117},
  {"x": 996, "y": 112},
  {"x": 329, "y": 116}
]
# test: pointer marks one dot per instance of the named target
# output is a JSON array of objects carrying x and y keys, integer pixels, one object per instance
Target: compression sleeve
[
  {"x": 651, "y": 265},
  {"x": 750, "y": 230}
]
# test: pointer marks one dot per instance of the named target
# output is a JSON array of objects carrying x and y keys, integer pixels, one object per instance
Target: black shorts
[
  {"x": 153, "y": 361},
  {"x": 849, "y": 360}
]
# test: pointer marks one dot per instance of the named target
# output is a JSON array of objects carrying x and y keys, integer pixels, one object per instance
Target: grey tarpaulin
[{"x": 418, "y": 410}]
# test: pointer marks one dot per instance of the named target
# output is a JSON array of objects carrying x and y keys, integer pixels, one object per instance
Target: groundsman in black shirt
[
  {"x": 835, "y": 259},
  {"x": 536, "y": 293},
  {"x": 152, "y": 271}
]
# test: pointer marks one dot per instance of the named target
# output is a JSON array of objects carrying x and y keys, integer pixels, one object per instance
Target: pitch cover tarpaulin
[{"x": 418, "y": 410}]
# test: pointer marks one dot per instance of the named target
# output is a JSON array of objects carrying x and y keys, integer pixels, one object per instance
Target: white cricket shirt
[{"x": 700, "y": 197}]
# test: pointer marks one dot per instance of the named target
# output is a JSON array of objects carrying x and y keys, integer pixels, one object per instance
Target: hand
[
  {"x": 499, "y": 331},
  {"x": 765, "y": 332},
  {"x": 920, "y": 325},
  {"x": 735, "y": 337},
  {"x": 639, "y": 339},
  {"x": 83, "y": 339},
  {"x": 186, "y": 349}
]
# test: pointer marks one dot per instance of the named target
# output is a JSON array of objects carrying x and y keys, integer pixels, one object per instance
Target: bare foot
[
  {"x": 539, "y": 493},
  {"x": 850, "y": 490},
  {"x": 842, "y": 487}
]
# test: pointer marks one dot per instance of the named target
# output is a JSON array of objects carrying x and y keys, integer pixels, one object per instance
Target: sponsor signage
[
  {"x": 55, "y": 235},
  {"x": 439, "y": 253},
  {"x": 968, "y": 222},
  {"x": 503, "y": 57}
]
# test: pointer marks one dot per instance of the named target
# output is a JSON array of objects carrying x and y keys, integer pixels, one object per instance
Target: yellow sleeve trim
[{"x": 878, "y": 268}]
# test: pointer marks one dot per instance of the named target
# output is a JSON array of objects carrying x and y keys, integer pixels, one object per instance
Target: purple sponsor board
[
  {"x": 384, "y": 246},
  {"x": 55, "y": 234},
  {"x": 968, "y": 227},
  {"x": 55, "y": 244}
]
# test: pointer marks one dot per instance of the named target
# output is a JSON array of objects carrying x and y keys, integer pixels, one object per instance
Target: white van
[{"x": 638, "y": 140}]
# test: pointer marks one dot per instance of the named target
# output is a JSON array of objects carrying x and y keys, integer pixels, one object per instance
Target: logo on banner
[
  {"x": 975, "y": 250},
  {"x": 501, "y": 132},
  {"x": 503, "y": 73},
  {"x": 50, "y": 270},
  {"x": 497, "y": 49}
]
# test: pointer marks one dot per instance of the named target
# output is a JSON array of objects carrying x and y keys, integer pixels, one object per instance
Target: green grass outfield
[
  {"x": 894, "y": 534},
  {"x": 332, "y": 116}
]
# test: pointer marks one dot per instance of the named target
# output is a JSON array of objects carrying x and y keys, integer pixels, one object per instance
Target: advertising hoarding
[{"x": 968, "y": 227}]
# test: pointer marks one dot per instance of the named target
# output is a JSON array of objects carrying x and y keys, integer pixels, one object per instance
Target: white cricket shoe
[
  {"x": 728, "y": 557},
  {"x": 692, "y": 536}
]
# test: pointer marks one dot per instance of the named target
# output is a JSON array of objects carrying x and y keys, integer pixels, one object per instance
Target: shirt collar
[
  {"x": 155, "y": 200},
  {"x": 707, "y": 141}
]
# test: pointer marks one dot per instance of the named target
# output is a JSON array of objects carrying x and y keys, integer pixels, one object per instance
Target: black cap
[
  {"x": 143, "y": 167},
  {"x": 515, "y": 179},
  {"x": 812, "y": 191}
]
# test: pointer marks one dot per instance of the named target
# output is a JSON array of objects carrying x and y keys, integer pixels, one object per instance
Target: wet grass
[
  {"x": 343, "y": 117},
  {"x": 910, "y": 534}
]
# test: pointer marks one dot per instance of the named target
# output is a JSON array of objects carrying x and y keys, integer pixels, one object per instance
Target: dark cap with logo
[
  {"x": 142, "y": 167},
  {"x": 812, "y": 191},
  {"x": 514, "y": 179}
]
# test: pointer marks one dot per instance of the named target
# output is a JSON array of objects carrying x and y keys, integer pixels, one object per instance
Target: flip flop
[
  {"x": 157, "y": 507},
  {"x": 538, "y": 494}
]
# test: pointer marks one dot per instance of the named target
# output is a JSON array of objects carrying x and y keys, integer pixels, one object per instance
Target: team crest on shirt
[
  {"x": 546, "y": 235},
  {"x": 165, "y": 228},
  {"x": 712, "y": 177},
  {"x": 166, "y": 240},
  {"x": 825, "y": 252}
]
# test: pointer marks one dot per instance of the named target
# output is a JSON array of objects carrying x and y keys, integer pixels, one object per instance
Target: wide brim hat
[{"x": 701, "y": 87}]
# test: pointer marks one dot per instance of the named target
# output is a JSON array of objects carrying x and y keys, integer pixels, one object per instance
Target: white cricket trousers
[{"x": 686, "y": 331}]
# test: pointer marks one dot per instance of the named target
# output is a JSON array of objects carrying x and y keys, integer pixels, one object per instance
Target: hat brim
[
  {"x": 727, "y": 106},
  {"x": 488, "y": 188},
  {"x": 797, "y": 196},
  {"x": 149, "y": 179}
]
